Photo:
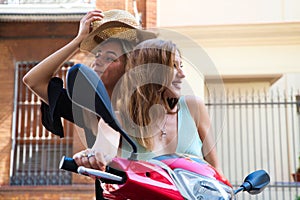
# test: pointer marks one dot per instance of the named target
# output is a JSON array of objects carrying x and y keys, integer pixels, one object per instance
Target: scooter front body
[
  {"x": 192, "y": 164},
  {"x": 152, "y": 180},
  {"x": 144, "y": 180}
]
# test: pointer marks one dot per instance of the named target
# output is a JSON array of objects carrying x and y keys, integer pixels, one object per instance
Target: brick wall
[
  {"x": 146, "y": 7},
  {"x": 6, "y": 104},
  {"x": 19, "y": 43},
  {"x": 33, "y": 41},
  {"x": 113, "y": 4},
  {"x": 151, "y": 14}
]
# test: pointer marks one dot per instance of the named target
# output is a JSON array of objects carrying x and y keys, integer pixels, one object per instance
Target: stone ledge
[
  {"x": 49, "y": 188},
  {"x": 70, "y": 192}
]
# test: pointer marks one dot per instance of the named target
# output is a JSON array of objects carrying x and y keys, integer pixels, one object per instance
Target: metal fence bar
[
  {"x": 37, "y": 146},
  {"x": 296, "y": 135},
  {"x": 228, "y": 142},
  {"x": 268, "y": 132},
  {"x": 288, "y": 140},
  {"x": 260, "y": 131},
  {"x": 274, "y": 142},
  {"x": 241, "y": 117}
]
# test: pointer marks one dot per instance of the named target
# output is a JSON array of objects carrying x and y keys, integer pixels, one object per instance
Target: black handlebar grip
[{"x": 68, "y": 164}]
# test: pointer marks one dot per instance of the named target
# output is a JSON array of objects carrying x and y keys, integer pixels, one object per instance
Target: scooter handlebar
[
  {"x": 99, "y": 174},
  {"x": 68, "y": 164}
]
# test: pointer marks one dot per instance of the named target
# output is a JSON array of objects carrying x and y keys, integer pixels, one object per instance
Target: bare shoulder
[
  {"x": 194, "y": 102},
  {"x": 197, "y": 109}
]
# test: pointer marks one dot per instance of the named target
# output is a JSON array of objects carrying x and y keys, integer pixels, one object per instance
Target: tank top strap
[{"x": 188, "y": 137}]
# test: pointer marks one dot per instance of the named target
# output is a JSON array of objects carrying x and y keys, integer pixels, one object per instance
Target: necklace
[{"x": 164, "y": 128}]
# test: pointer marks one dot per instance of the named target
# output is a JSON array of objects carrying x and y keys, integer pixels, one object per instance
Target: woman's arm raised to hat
[{"x": 38, "y": 77}]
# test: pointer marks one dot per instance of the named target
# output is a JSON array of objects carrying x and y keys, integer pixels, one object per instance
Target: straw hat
[{"x": 117, "y": 24}]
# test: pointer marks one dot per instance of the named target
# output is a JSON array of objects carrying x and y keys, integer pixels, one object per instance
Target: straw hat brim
[{"x": 115, "y": 29}]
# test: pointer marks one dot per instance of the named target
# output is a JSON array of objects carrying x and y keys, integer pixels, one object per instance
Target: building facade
[{"x": 247, "y": 51}]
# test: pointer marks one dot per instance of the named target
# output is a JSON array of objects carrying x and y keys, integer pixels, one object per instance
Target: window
[{"x": 35, "y": 151}]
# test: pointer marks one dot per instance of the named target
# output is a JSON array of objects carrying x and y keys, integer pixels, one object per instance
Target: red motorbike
[{"x": 167, "y": 177}]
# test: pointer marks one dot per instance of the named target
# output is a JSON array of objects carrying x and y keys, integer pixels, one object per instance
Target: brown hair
[{"x": 149, "y": 73}]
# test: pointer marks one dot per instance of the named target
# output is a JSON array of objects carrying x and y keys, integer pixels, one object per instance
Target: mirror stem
[
  {"x": 238, "y": 190},
  {"x": 128, "y": 139}
]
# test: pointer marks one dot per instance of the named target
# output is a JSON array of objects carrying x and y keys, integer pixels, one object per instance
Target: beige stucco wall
[
  {"x": 201, "y": 12},
  {"x": 256, "y": 59},
  {"x": 262, "y": 38}
]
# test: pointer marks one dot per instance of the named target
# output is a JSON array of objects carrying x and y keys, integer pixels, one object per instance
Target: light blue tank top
[{"x": 188, "y": 138}]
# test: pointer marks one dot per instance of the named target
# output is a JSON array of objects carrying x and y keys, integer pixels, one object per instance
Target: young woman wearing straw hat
[{"x": 117, "y": 31}]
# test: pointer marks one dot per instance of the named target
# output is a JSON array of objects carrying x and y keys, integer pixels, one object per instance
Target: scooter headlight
[{"x": 201, "y": 187}]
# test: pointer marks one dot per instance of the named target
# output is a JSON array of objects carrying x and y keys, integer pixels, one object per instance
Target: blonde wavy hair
[{"x": 149, "y": 73}]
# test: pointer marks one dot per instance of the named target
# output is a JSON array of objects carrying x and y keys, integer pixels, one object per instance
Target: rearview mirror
[
  {"x": 255, "y": 182},
  {"x": 85, "y": 89}
]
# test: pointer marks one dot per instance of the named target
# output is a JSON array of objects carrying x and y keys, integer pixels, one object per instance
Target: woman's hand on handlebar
[{"x": 92, "y": 159}]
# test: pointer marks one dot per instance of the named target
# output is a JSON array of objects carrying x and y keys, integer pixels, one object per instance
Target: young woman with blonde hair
[{"x": 153, "y": 112}]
